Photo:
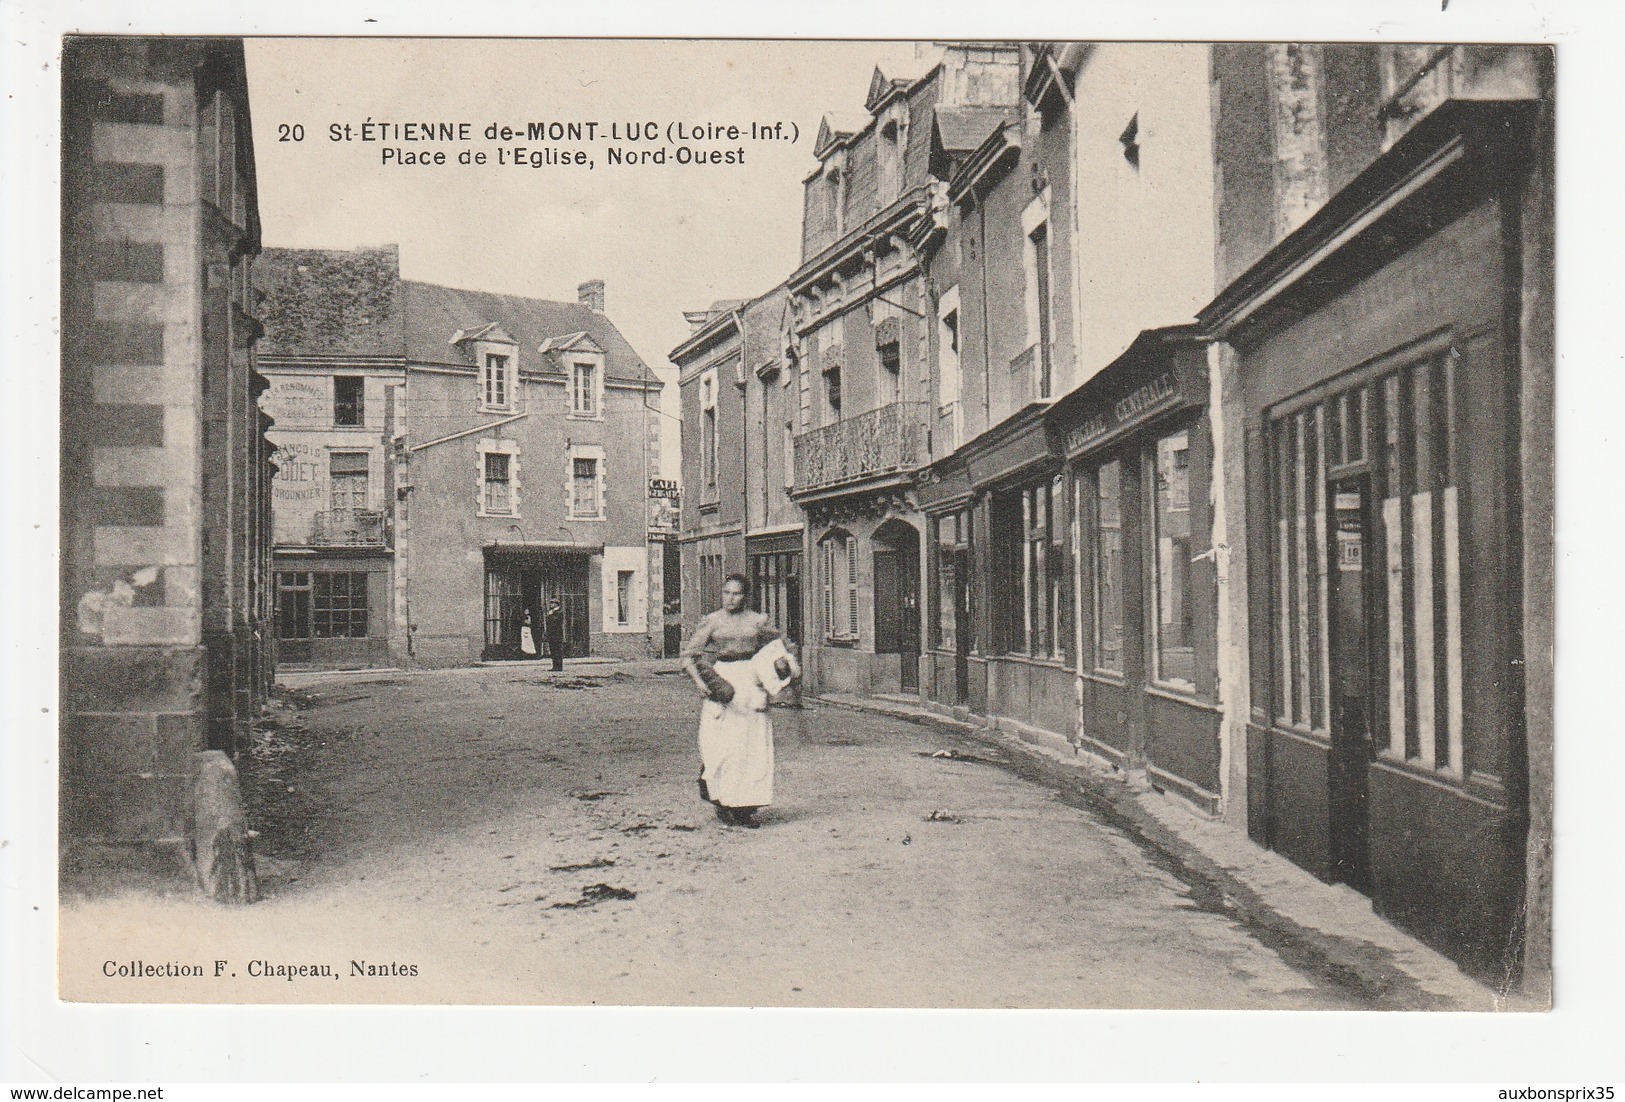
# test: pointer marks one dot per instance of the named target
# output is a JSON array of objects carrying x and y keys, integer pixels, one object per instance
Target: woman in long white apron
[{"x": 737, "y": 662}]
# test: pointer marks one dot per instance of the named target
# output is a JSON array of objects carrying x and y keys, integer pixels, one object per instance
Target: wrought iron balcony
[
  {"x": 888, "y": 440},
  {"x": 348, "y": 528}
]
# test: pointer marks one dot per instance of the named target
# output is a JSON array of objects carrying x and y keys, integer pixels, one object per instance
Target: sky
[{"x": 665, "y": 239}]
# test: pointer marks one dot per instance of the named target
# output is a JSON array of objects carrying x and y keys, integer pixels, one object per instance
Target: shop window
[
  {"x": 1028, "y": 612},
  {"x": 839, "y": 552},
  {"x": 710, "y": 582},
  {"x": 347, "y": 480},
  {"x": 1172, "y": 627},
  {"x": 1007, "y": 531},
  {"x": 776, "y": 590},
  {"x": 1399, "y": 430},
  {"x": 293, "y": 604},
  {"x": 953, "y": 563},
  {"x": 1106, "y": 567},
  {"x": 339, "y": 605},
  {"x": 1060, "y": 584},
  {"x": 498, "y": 498},
  {"x": 349, "y": 409},
  {"x": 319, "y": 604},
  {"x": 504, "y": 609},
  {"x": 1035, "y": 570}
]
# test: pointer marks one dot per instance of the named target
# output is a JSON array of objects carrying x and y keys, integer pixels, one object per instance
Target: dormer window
[
  {"x": 584, "y": 385},
  {"x": 891, "y": 154},
  {"x": 495, "y": 358},
  {"x": 578, "y": 361},
  {"x": 496, "y": 381}
]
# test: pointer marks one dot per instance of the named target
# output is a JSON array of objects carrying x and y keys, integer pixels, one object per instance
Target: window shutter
[
  {"x": 852, "y": 586},
  {"x": 829, "y": 582}
]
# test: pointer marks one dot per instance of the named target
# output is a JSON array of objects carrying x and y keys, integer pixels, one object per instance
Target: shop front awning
[
  {"x": 1162, "y": 371},
  {"x": 522, "y": 548}
]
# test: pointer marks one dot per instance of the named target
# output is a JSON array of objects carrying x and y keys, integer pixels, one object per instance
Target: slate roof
[
  {"x": 964, "y": 129},
  {"x": 434, "y": 313},
  {"x": 337, "y": 302},
  {"x": 330, "y": 302}
]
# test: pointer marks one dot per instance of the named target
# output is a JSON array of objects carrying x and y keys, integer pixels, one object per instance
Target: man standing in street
[{"x": 553, "y": 629}]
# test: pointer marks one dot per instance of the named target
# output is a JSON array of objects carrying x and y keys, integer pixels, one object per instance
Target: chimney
[{"x": 591, "y": 295}]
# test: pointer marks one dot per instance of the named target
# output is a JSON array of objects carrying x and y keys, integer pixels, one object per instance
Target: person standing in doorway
[
  {"x": 553, "y": 629},
  {"x": 737, "y": 661}
]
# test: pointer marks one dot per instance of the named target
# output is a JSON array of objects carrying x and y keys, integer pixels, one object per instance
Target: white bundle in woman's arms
[{"x": 769, "y": 665}]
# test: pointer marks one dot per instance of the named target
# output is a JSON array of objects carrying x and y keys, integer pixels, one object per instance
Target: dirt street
[{"x": 511, "y": 835}]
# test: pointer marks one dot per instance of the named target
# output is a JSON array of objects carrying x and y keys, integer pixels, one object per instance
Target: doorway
[
  {"x": 897, "y": 599},
  {"x": 1353, "y": 746},
  {"x": 517, "y": 585},
  {"x": 964, "y": 623}
]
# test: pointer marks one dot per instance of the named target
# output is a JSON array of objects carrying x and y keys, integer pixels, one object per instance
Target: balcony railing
[
  {"x": 884, "y": 441},
  {"x": 348, "y": 528}
]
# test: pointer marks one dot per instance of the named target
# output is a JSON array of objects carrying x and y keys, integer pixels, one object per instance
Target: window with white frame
[
  {"x": 623, "y": 597},
  {"x": 835, "y": 197},
  {"x": 1172, "y": 631},
  {"x": 347, "y": 480},
  {"x": 1036, "y": 253},
  {"x": 889, "y": 356},
  {"x": 496, "y": 381},
  {"x": 625, "y": 589},
  {"x": 890, "y": 157},
  {"x": 950, "y": 414},
  {"x": 789, "y": 453},
  {"x": 840, "y": 585},
  {"x": 585, "y": 384},
  {"x": 708, "y": 433},
  {"x": 349, "y": 400},
  {"x": 498, "y": 497},
  {"x": 497, "y": 478},
  {"x": 585, "y": 489}
]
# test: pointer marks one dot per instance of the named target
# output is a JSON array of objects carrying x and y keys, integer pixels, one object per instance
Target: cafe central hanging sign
[
  {"x": 1112, "y": 418},
  {"x": 1152, "y": 397}
]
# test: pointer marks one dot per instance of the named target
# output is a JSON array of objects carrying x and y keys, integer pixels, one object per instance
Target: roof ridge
[{"x": 495, "y": 294}]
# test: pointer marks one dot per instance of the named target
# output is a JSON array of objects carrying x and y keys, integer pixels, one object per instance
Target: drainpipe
[
  {"x": 987, "y": 344},
  {"x": 1073, "y": 53},
  {"x": 1076, "y": 224},
  {"x": 744, "y": 441}
]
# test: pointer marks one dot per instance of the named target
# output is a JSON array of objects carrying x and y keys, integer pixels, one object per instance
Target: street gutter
[{"x": 1324, "y": 930}]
